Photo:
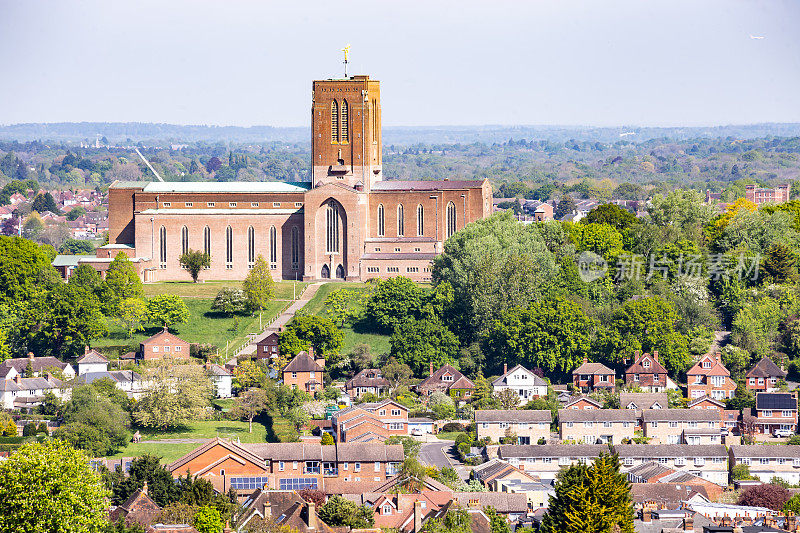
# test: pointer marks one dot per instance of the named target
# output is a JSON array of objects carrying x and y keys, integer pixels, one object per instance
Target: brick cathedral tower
[{"x": 346, "y": 132}]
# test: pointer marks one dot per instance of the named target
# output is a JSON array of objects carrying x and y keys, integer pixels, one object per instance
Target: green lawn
[
  {"x": 449, "y": 435},
  {"x": 204, "y": 326},
  {"x": 378, "y": 343},
  {"x": 316, "y": 306},
  {"x": 168, "y": 451},
  {"x": 228, "y": 429},
  {"x": 284, "y": 290},
  {"x": 282, "y": 430}
]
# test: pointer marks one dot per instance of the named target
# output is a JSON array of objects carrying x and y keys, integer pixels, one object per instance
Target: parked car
[
  {"x": 782, "y": 433},
  {"x": 416, "y": 432}
]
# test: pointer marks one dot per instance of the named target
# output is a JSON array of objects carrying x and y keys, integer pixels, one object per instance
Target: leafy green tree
[
  {"x": 566, "y": 205},
  {"x": 161, "y": 485},
  {"x": 327, "y": 439},
  {"x": 305, "y": 330},
  {"x": 178, "y": 393},
  {"x": 340, "y": 512},
  {"x": 167, "y": 310},
  {"x": 681, "y": 208},
  {"x": 259, "y": 287},
  {"x": 132, "y": 314},
  {"x": 248, "y": 374},
  {"x": 611, "y": 214},
  {"x": 341, "y": 306},
  {"x": 394, "y": 301},
  {"x": 442, "y": 406},
  {"x": 396, "y": 373},
  {"x": 44, "y": 202},
  {"x": 592, "y": 499},
  {"x": 229, "y": 301},
  {"x": 417, "y": 343},
  {"x": 411, "y": 446},
  {"x": 77, "y": 247},
  {"x": 455, "y": 520},
  {"x": 122, "y": 281},
  {"x": 497, "y": 523},
  {"x": 646, "y": 324},
  {"x": 492, "y": 265},
  {"x": 755, "y": 326},
  {"x": 88, "y": 279},
  {"x": 50, "y": 487},
  {"x": 75, "y": 213},
  {"x": 551, "y": 334},
  {"x": 792, "y": 504},
  {"x": 250, "y": 404},
  {"x": 298, "y": 416},
  {"x": 93, "y": 422},
  {"x": 25, "y": 269},
  {"x": 779, "y": 265},
  {"x": 207, "y": 519},
  {"x": 194, "y": 261}
]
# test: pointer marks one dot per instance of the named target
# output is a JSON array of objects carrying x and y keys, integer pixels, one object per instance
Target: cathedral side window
[
  {"x": 162, "y": 247},
  {"x": 207, "y": 241},
  {"x": 344, "y": 127},
  {"x": 184, "y": 240},
  {"x": 401, "y": 230},
  {"x": 334, "y": 122},
  {"x": 420, "y": 221},
  {"x": 228, "y": 248},
  {"x": 332, "y": 233},
  {"x": 381, "y": 221},
  {"x": 273, "y": 248},
  {"x": 451, "y": 219},
  {"x": 251, "y": 247},
  {"x": 295, "y": 247}
]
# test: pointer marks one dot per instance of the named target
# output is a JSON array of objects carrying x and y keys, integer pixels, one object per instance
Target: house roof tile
[
  {"x": 303, "y": 362},
  {"x": 592, "y": 368},
  {"x": 766, "y": 368},
  {"x": 596, "y": 415},
  {"x": 513, "y": 415}
]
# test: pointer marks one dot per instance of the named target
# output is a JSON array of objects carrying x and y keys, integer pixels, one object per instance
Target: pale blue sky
[{"x": 567, "y": 62}]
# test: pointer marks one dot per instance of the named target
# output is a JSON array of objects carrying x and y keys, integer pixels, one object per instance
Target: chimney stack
[
  {"x": 18, "y": 379},
  {"x": 86, "y": 350},
  {"x": 636, "y": 355},
  {"x": 585, "y": 359},
  {"x": 646, "y": 515},
  {"x": 417, "y": 516},
  {"x": 312, "y": 516},
  {"x": 430, "y": 368},
  {"x": 688, "y": 524},
  {"x": 30, "y": 356},
  {"x": 655, "y": 355},
  {"x": 719, "y": 357},
  {"x": 144, "y": 488},
  {"x": 505, "y": 368}
]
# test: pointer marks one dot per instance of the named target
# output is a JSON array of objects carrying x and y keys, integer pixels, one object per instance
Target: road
[{"x": 439, "y": 454}]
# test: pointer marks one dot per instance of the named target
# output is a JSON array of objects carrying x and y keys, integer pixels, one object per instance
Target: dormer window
[
  {"x": 447, "y": 377},
  {"x": 706, "y": 364},
  {"x": 646, "y": 363},
  {"x": 386, "y": 509}
]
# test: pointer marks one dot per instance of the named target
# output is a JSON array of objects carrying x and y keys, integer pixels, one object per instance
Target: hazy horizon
[{"x": 559, "y": 63}]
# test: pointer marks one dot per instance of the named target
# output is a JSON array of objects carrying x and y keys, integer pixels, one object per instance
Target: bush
[
  {"x": 452, "y": 427},
  {"x": 327, "y": 439},
  {"x": 742, "y": 472},
  {"x": 29, "y": 430},
  {"x": 463, "y": 438},
  {"x": 771, "y": 496},
  {"x": 42, "y": 428}
]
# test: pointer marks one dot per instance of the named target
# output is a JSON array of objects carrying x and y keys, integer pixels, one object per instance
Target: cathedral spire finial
[{"x": 346, "y": 51}]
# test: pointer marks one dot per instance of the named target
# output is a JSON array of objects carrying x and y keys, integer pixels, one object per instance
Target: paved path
[{"x": 289, "y": 313}]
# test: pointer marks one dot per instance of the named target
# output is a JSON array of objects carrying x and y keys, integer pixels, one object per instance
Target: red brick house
[
  {"x": 370, "y": 422},
  {"x": 764, "y": 376},
  {"x": 591, "y": 377},
  {"x": 583, "y": 402},
  {"x": 164, "y": 344},
  {"x": 648, "y": 373},
  {"x": 447, "y": 380},
  {"x": 267, "y": 345},
  {"x": 774, "y": 411},
  {"x": 304, "y": 372},
  {"x": 708, "y": 377},
  {"x": 368, "y": 381}
]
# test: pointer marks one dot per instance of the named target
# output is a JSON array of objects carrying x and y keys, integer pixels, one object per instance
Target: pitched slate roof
[
  {"x": 37, "y": 364},
  {"x": 303, "y": 362},
  {"x": 765, "y": 450},
  {"x": 434, "y": 381},
  {"x": 592, "y": 368},
  {"x": 92, "y": 356},
  {"x": 678, "y": 415},
  {"x": 369, "y": 377},
  {"x": 649, "y": 470},
  {"x": 513, "y": 415},
  {"x": 551, "y": 450},
  {"x": 670, "y": 450},
  {"x": 776, "y": 400},
  {"x": 638, "y": 367},
  {"x": 164, "y": 335},
  {"x": 644, "y": 400},
  {"x": 596, "y": 415},
  {"x": 766, "y": 368},
  {"x": 138, "y": 508},
  {"x": 218, "y": 370},
  {"x": 535, "y": 380},
  {"x": 668, "y": 494},
  {"x": 503, "y": 502}
]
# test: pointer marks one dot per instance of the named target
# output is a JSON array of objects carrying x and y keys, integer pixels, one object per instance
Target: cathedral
[{"x": 347, "y": 223}]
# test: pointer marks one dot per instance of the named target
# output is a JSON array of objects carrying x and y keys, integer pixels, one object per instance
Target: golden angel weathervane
[{"x": 346, "y": 51}]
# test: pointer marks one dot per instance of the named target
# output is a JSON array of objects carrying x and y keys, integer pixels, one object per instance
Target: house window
[
  {"x": 786, "y": 414},
  {"x": 281, "y": 466},
  {"x": 177, "y": 349},
  {"x": 207, "y": 241},
  {"x": 232, "y": 204},
  {"x": 251, "y": 247},
  {"x": 210, "y": 204},
  {"x": 294, "y": 374},
  {"x": 377, "y": 466},
  {"x": 188, "y": 204},
  {"x": 155, "y": 349},
  {"x": 654, "y": 423},
  {"x": 386, "y": 509},
  {"x": 295, "y": 247},
  {"x": 332, "y": 218},
  {"x": 706, "y": 364},
  {"x": 276, "y": 204},
  {"x": 162, "y": 247},
  {"x": 273, "y": 247},
  {"x": 673, "y": 424},
  {"x": 167, "y": 204},
  {"x": 400, "y": 221},
  {"x": 373, "y": 270},
  {"x": 451, "y": 219},
  {"x": 253, "y": 204},
  {"x": 420, "y": 221},
  {"x": 646, "y": 364},
  {"x": 166, "y": 349},
  {"x": 357, "y": 467},
  {"x": 381, "y": 226},
  {"x": 228, "y": 247},
  {"x": 395, "y": 412},
  {"x": 298, "y": 204},
  {"x": 767, "y": 412},
  {"x": 588, "y": 424},
  {"x": 184, "y": 240}
]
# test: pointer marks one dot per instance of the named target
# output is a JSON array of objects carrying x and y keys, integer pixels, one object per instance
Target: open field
[
  {"x": 169, "y": 451},
  {"x": 204, "y": 326},
  {"x": 284, "y": 290},
  {"x": 208, "y": 429}
]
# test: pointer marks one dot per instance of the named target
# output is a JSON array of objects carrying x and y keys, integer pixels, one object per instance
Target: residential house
[
  {"x": 267, "y": 344},
  {"x": 287, "y": 466},
  {"x": 420, "y": 426},
  {"x": 139, "y": 509},
  {"x": 509, "y": 505},
  {"x": 221, "y": 378},
  {"x": 596, "y": 426},
  {"x": 708, "y": 461},
  {"x": 661, "y": 496},
  {"x": 525, "y": 383},
  {"x": 729, "y": 418},
  {"x": 368, "y": 422},
  {"x": 545, "y": 461},
  {"x": 304, "y": 372},
  {"x": 495, "y": 471},
  {"x": 449, "y": 381},
  {"x": 286, "y": 508},
  {"x": 708, "y": 377},
  {"x": 405, "y": 513},
  {"x": 766, "y": 461},
  {"x": 773, "y": 411},
  {"x": 26, "y": 393},
  {"x": 583, "y": 402},
  {"x": 642, "y": 401},
  {"x": 91, "y": 361},
  {"x": 127, "y": 381},
  {"x": 163, "y": 344},
  {"x": 681, "y": 426},
  {"x": 648, "y": 373},
  {"x": 764, "y": 376},
  {"x": 39, "y": 366},
  {"x": 526, "y": 426},
  {"x": 591, "y": 377},
  {"x": 368, "y": 381}
]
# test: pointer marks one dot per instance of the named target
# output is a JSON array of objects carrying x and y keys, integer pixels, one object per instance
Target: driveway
[{"x": 439, "y": 454}]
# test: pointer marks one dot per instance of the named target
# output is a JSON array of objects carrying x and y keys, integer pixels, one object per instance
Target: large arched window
[
  {"x": 381, "y": 221},
  {"x": 273, "y": 247},
  {"x": 334, "y": 122},
  {"x": 295, "y": 247},
  {"x": 420, "y": 221},
  {"x": 401, "y": 229},
  {"x": 344, "y": 127},
  {"x": 228, "y": 247},
  {"x": 162, "y": 247},
  {"x": 184, "y": 240},
  {"x": 451, "y": 219},
  {"x": 332, "y": 229},
  {"x": 251, "y": 247},
  {"x": 207, "y": 241}
]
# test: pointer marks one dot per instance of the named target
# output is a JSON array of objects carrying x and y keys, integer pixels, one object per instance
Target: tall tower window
[
  {"x": 162, "y": 247},
  {"x": 332, "y": 218},
  {"x": 401, "y": 230},
  {"x": 251, "y": 247},
  {"x": 228, "y": 248},
  {"x": 295, "y": 248},
  {"x": 381, "y": 222},
  {"x": 334, "y": 122},
  {"x": 420, "y": 221},
  {"x": 273, "y": 247},
  {"x": 344, "y": 126},
  {"x": 184, "y": 240},
  {"x": 451, "y": 219},
  {"x": 207, "y": 241}
]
